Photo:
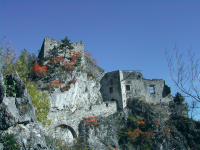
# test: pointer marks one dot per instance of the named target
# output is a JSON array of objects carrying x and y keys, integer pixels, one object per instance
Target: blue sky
[{"x": 121, "y": 35}]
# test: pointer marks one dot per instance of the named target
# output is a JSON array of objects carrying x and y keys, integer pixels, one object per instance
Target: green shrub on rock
[
  {"x": 9, "y": 142},
  {"x": 10, "y": 91},
  {"x": 179, "y": 98},
  {"x": 40, "y": 101}
]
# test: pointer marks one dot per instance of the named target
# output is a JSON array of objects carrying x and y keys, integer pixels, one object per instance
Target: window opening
[
  {"x": 152, "y": 89},
  {"x": 111, "y": 89},
  {"x": 127, "y": 87}
]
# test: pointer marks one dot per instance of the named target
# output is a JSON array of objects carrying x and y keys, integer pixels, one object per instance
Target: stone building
[{"x": 120, "y": 85}]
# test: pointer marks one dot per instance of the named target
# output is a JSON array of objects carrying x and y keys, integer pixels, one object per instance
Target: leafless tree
[
  {"x": 7, "y": 57},
  {"x": 185, "y": 78},
  {"x": 192, "y": 105}
]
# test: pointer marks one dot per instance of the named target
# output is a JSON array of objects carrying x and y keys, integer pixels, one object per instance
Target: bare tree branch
[{"x": 184, "y": 78}]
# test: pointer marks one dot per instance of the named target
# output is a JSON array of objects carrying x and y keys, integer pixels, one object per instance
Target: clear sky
[{"x": 120, "y": 34}]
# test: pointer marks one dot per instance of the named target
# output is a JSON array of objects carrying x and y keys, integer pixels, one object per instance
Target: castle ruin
[{"x": 116, "y": 88}]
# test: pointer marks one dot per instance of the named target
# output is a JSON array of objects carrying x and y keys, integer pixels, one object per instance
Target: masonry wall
[
  {"x": 140, "y": 87},
  {"x": 65, "y": 117},
  {"x": 97, "y": 71},
  {"x": 48, "y": 51},
  {"x": 122, "y": 93},
  {"x": 111, "y": 88},
  {"x": 127, "y": 77}
]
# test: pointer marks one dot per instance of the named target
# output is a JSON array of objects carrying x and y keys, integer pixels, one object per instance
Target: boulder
[{"x": 17, "y": 115}]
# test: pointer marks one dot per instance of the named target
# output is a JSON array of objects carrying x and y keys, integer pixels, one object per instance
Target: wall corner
[{"x": 122, "y": 89}]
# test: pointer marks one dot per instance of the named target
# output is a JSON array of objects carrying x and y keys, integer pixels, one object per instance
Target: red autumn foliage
[
  {"x": 152, "y": 133},
  {"x": 67, "y": 64},
  {"x": 90, "y": 119},
  {"x": 75, "y": 54},
  {"x": 66, "y": 87},
  {"x": 39, "y": 71},
  {"x": 158, "y": 121},
  {"x": 141, "y": 121},
  {"x": 135, "y": 133},
  {"x": 56, "y": 60},
  {"x": 56, "y": 83},
  {"x": 165, "y": 131},
  {"x": 21, "y": 107}
]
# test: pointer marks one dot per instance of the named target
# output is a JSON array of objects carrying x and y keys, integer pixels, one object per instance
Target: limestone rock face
[
  {"x": 17, "y": 114},
  {"x": 69, "y": 107},
  {"x": 167, "y": 131},
  {"x": 83, "y": 93}
]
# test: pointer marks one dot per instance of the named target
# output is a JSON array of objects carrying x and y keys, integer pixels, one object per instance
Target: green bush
[
  {"x": 10, "y": 91},
  {"x": 40, "y": 101},
  {"x": 9, "y": 142},
  {"x": 179, "y": 98}
]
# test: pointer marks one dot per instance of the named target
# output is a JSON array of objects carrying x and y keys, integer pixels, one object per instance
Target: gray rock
[
  {"x": 17, "y": 115},
  {"x": 1, "y": 146}
]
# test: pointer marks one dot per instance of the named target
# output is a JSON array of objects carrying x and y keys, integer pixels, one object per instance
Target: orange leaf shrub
[
  {"x": 90, "y": 121},
  {"x": 21, "y": 107},
  {"x": 152, "y": 133},
  {"x": 66, "y": 87},
  {"x": 75, "y": 54},
  {"x": 134, "y": 134},
  {"x": 141, "y": 122},
  {"x": 55, "y": 61},
  {"x": 56, "y": 83},
  {"x": 158, "y": 121},
  {"x": 165, "y": 131},
  {"x": 39, "y": 71},
  {"x": 67, "y": 64}
]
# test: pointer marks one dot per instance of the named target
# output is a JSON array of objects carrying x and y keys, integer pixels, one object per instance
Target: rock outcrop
[
  {"x": 142, "y": 126},
  {"x": 139, "y": 126},
  {"x": 69, "y": 107},
  {"x": 17, "y": 116}
]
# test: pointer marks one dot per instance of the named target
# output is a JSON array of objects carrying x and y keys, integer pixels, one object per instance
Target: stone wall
[
  {"x": 121, "y": 85},
  {"x": 49, "y": 43},
  {"x": 153, "y": 91},
  {"x": 97, "y": 71},
  {"x": 142, "y": 87},
  {"x": 111, "y": 88},
  {"x": 48, "y": 51},
  {"x": 65, "y": 117}
]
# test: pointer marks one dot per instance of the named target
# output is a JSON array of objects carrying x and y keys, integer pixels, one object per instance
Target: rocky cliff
[
  {"x": 142, "y": 126},
  {"x": 78, "y": 113},
  {"x": 18, "y": 124},
  {"x": 69, "y": 107}
]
